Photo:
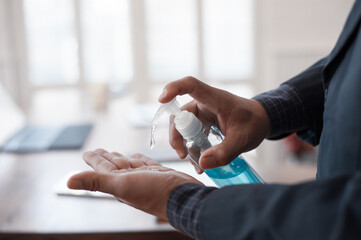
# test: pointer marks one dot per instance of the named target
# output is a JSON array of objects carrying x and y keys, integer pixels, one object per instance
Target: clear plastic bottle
[
  {"x": 236, "y": 172},
  {"x": 198, "y": 139}
]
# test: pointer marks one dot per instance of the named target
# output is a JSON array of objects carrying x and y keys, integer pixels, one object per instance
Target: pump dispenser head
[
  {"x": 186, "y": 122},
  {"x": 172, "y": 108}
]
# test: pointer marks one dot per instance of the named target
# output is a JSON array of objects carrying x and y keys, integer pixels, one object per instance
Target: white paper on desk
[{"x": 61, "y": 189}]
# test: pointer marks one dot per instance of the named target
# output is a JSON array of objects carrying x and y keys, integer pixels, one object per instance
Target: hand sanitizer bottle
[{"x": 199, "y": 138}]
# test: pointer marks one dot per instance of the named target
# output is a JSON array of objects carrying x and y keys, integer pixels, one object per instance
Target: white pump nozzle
[
  {"x": 186, "y": 122},
  {"x": 172, "y": 108}
]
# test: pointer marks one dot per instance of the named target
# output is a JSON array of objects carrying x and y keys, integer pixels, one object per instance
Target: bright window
[
  {"x": 51, "y": 42},
  {"x": 228, "y": 37},
  {"x": 172, "y": 38},
  {"x": 93, "y": 40},
  {"x": 106, "y": 40}
]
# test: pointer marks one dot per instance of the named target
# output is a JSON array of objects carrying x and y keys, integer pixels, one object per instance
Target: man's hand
[
  {"x": 137, "y": 181},
  {"x": 244, "y": 122}
]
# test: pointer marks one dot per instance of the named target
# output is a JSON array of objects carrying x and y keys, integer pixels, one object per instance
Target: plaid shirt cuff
[
  {"x": 285, "y": 110},
  {"x": 184, "y": 206}
]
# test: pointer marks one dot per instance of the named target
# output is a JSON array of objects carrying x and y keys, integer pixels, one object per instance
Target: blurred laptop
[{"x": 16, "y": 136}]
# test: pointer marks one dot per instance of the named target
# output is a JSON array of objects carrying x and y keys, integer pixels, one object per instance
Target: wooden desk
[
  {"x": 30, "y": 209},
  {"x": 30, "y": 205}
]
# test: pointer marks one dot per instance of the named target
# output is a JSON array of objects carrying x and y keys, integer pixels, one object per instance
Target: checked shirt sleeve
[
  {"x": 285, "y": 109},
  {"x": 286, "y": 112},
  {"x": 184, "y": 205}
]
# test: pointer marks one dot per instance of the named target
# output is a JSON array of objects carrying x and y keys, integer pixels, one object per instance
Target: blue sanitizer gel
[
  {"x": 199, "y": 138},
  {"x": 237, "y": 172}
]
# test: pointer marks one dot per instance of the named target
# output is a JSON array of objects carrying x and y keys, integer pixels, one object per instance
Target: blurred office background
[{"x": 65, "y": 60}]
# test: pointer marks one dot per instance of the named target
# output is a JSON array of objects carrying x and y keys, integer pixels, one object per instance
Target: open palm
[{"x": 137, "y": 180}]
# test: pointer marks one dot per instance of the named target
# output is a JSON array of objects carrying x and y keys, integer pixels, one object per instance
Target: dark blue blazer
[{"x": 330, "y": 207}]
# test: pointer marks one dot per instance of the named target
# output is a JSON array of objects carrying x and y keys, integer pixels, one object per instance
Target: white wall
[
  {"x": 6, "y": 56},
  {"x": 292, "y": 35},
  {"x": 12, "y": 51}
]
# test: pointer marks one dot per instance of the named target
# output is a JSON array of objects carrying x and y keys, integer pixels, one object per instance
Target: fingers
[
  {"x": 196, "y": 168},
  {"x": 93, "y": 181},
  {"x": 117, "y": 154},
  {"x": 175, "y": 139},
  {"x": 118, "y": 160},
  {"x": 103, "y": 161},
  {"x": 146, "y": 160},
  {"x": 221, "y": 154},
  {"x": 188, "y": 85},
  {"x": 123, "y": 162},
  {"x": 98, "y": 162},
  {"x": 100, "y": 151}
]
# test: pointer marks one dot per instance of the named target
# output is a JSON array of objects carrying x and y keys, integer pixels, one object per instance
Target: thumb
[
  {"x": 93, "y": 181},
  {"x": 222, "y": 154}
]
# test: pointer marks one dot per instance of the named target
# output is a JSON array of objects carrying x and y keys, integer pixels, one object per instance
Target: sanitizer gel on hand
[{"x": 199, "y": 138}]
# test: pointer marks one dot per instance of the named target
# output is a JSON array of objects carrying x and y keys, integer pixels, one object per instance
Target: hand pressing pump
[{"x": 199, "y": 138}]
